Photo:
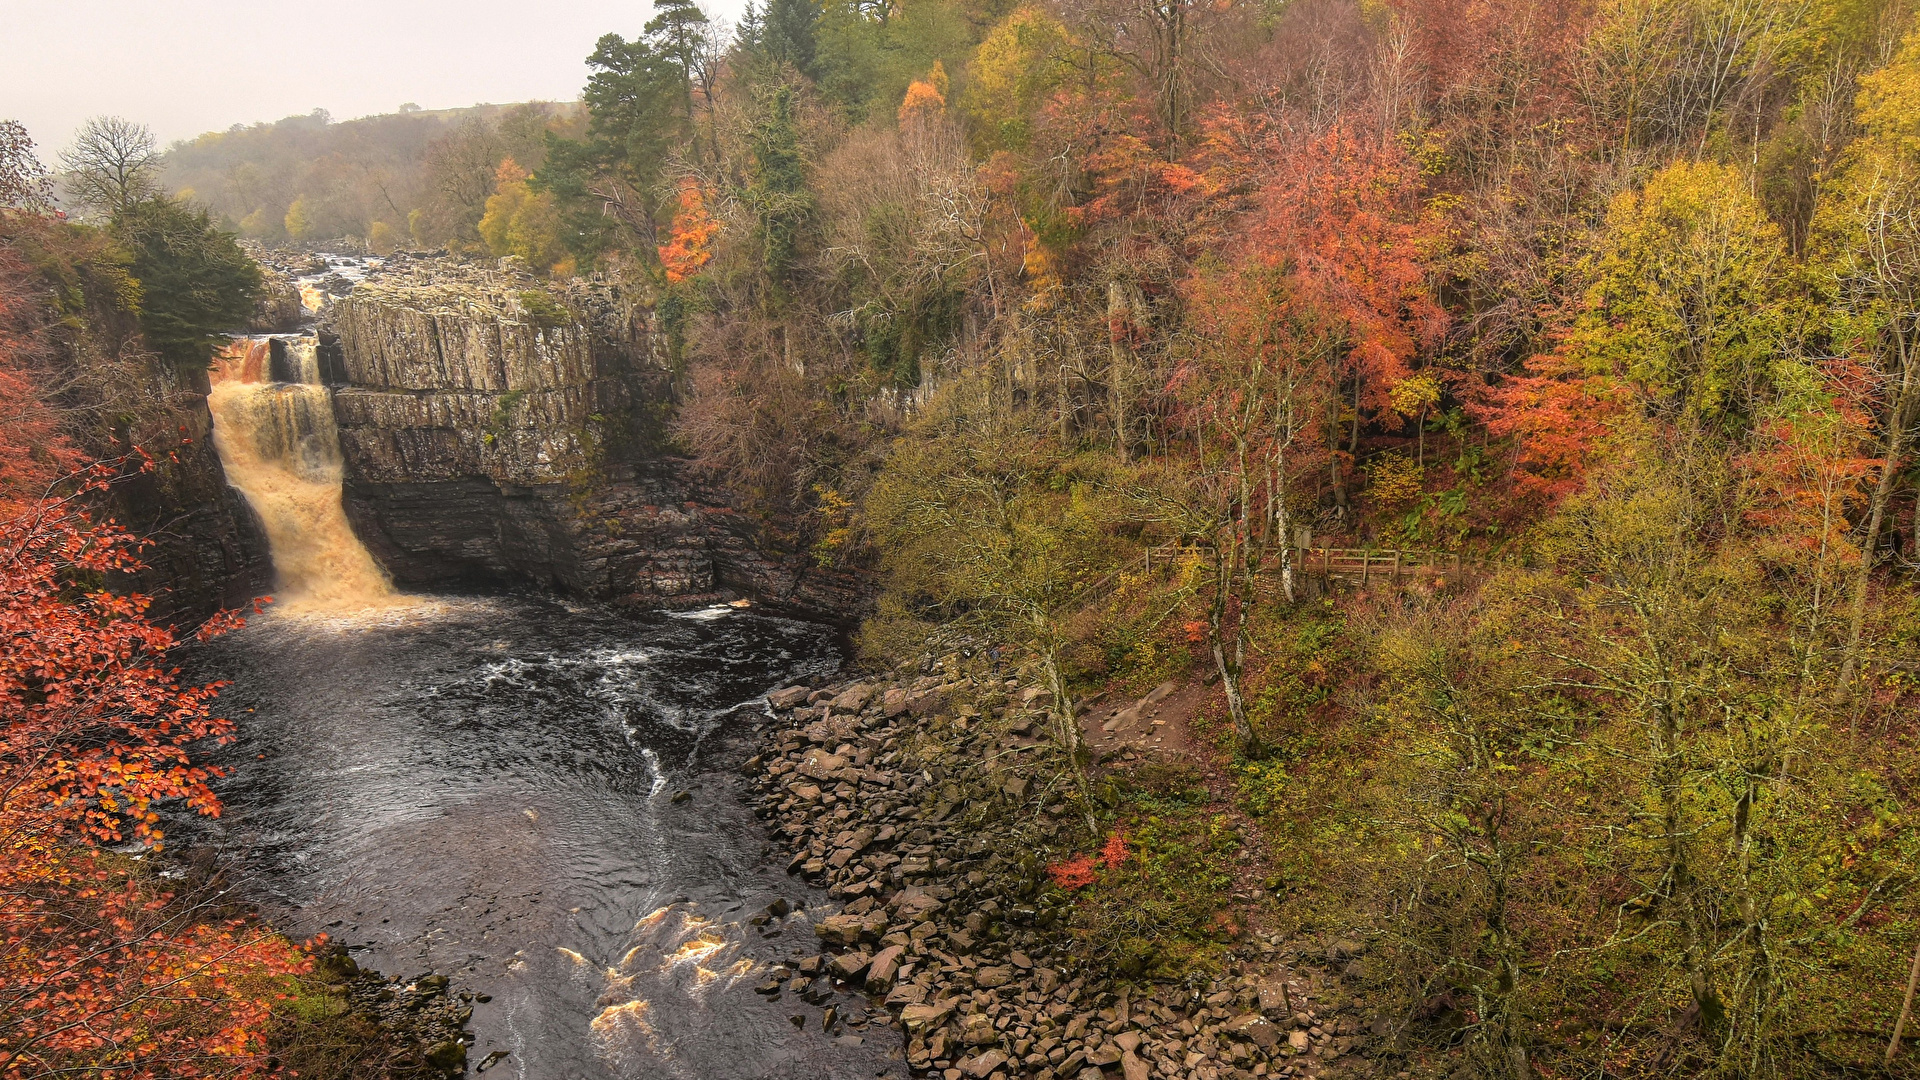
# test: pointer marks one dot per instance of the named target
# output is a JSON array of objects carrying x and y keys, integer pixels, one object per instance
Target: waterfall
[{"x": 274, "y": 431}]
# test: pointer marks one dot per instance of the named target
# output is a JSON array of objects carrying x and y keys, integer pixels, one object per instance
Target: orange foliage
[
  {"x": 1345, "y": 215},
  {"x": 923, "y": 100},
  {"x": 101, "y": 970},
  {"x": 1074, "y": 873},
  {"x": 1115, "y": 851},
  {"x": 33, "y": 450},
  {"x": 1556, "y": 415},
  {"x": 690, "y": 237}
]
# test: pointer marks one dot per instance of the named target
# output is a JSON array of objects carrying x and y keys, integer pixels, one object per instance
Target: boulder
[
  {"x": 893, "y": 702},
  {"x": 850, "y": 965},
  {"x": 1274, "y": 998},
  {"x": 788, "y": 698},
  {"x": 989, "y": 978},
  {"x": 884, "y": 966},
  {"x": 1133, "y": 1068},
  {"x": 1261, "y": 1030},
  {"x": 978, "y": 1030},
  {"x": 983, "y": 1066},
  {"x": 853, "y": 699},
  {"x": 821, "y": 765},
  {"x": 919, "y": 1018},
  {"x": 840, "y": 929}
]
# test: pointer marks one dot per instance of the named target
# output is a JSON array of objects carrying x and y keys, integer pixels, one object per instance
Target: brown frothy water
[{"x": 279, "y": 447}]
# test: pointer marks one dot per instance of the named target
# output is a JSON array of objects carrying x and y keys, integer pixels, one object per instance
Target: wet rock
[
  {"x": 850, "y": 965},
  {"x": 883, "y": 968},
  {"x": 789, "y": 697}
]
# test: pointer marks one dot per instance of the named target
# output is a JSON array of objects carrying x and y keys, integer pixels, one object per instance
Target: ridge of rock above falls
[{"x": 500, "y": 428}]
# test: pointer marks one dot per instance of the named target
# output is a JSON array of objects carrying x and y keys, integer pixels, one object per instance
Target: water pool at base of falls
[{"x": 486, "y": 787}]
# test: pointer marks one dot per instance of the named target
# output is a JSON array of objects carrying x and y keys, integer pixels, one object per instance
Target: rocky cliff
[
  {"x": 496, "y": 428},
  {"x": 207, "y": 551}
]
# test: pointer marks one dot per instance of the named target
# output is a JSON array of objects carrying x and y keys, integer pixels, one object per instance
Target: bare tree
[
  {"x": 24, "y": 184},
  {"x": 112, "y": 164}
]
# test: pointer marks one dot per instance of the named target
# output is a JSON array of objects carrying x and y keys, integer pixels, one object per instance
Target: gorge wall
[
  {"x": 498, "y": 429},
  {"x": 206, "y": 550}
]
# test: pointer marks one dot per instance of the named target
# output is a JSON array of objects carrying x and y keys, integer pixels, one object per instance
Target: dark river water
[{"x": 487, "y": 788}]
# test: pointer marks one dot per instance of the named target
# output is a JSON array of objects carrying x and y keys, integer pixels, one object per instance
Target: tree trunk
[{"x": 1899, "y": 415}]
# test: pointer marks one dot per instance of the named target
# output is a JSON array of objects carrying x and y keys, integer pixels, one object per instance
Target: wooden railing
[
  {"x": 1365, "y": 565},
  {"x": 1360, "y": 566}
]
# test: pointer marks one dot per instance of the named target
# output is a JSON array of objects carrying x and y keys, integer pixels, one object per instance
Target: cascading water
[{"x": 273, "y": 428}]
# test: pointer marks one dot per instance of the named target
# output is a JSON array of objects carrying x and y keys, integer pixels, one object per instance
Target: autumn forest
[{"x": 1484, "y": 430}]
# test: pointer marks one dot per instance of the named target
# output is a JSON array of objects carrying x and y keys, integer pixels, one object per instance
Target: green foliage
[
  {"x": 777, "y": 190},
  {"x": 195, "y": 283},
  {"x": 1157, "y": 912}
]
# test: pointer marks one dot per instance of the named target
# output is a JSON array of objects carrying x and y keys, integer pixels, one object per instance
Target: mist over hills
[{"x": 416, "y": 177}]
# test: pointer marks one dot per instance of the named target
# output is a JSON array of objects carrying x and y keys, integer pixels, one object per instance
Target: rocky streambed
[{"x": 923, "y": 807}]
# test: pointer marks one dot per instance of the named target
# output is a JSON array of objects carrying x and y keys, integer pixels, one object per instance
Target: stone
[
  {"x": 989, "y": 978},
  {"x": 1046, "y": 980},
  {"x": 914, "y": 902},
  {"x": 1298, "y": 1040},
  {"x": 983, "y": 1065},
  {"x": 850, "y": 965},
  {"x": 884, "y": 966},
  {"x": 853, "y": 699},
  {"x": 1133, "y": 1068},
  {"x": 821, "y": 765},
  {"x": 449, "y": 1056},
  {"x": 978, "y": 1030},
  {"x": 1128, "y": 1041},
  {"x": 919, "y": 1018},
  {"x": 1275, "y": 1000},
  {"x": 893, "y": 702},
  {"x": 840, "y": 929},
  {"x": 907, "y": 994},
  {"x": 1108, "y": 1054},
  {"x": 1261, "y": 1030},
  {"x": 788, "y": 698}
]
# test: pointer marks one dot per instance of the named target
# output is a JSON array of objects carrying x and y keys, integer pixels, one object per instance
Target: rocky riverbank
[{"x": 927, "y": 808}]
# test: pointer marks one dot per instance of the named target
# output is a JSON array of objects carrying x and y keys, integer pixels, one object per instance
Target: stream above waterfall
[{"x": 538, "y": 798}]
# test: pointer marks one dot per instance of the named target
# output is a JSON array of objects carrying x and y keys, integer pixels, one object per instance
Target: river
[{"x": 537, "y": 797}]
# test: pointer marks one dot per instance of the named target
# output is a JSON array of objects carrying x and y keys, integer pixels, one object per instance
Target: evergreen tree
[
  {"x": 778, "y": 192},
  {"x": 788, "y": 33},
  {"x": 196, "y": 284},
  {"x": 678, "y": 33}
]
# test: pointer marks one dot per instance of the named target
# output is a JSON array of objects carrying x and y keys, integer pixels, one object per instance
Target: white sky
[{"x": 188, "y": 66}]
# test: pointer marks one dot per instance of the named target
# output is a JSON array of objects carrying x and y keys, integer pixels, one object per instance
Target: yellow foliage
[
  {"x": 520, "y": 221},
  {"x": 1013, "y": 72},
  {"x": 381, "y": 237},
  {"x": 1394, "y": 481},
  {"x": 298, "y": 222}
]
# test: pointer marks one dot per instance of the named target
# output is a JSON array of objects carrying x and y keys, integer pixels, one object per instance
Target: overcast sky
[{"x": 188, "y": 66}]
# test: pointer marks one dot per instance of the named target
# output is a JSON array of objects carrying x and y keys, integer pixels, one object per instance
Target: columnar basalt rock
[{"x": 500, "y": 428}]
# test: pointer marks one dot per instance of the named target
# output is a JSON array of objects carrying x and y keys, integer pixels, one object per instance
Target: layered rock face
[
  {"x": 207, "y": 551},
  {"x": 498, "y": 429}
]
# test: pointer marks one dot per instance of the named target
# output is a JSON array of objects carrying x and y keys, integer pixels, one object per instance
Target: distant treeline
[{"x": 415, "y": 178}]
